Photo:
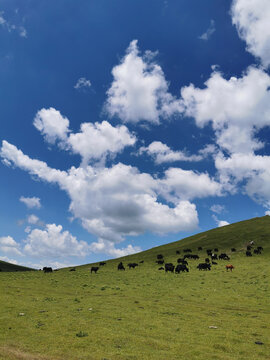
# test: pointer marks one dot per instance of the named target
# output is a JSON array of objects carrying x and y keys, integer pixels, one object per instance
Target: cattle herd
[{"x": 182, "y": 263}]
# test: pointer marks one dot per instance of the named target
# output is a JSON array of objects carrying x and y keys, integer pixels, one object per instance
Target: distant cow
[
  {"x": 102, "y": 263},
  {"x": 132, "y": 265},
  {"x": 248, "y": 253},
  {"x": 95, "y": 269},
  {"x": 215, "y": 249},
  {"x": 224, "y": 256},
  {"x": 160, "y": 262},
  {"x": 141, "y": 262},
  {"x": 161, "y": 268},
  {"x": 233, "y": 250},
  {"x": 72, "y": 269},
  {"x": 214, "y": 257},
  {"x": 249, "y": 248},
  {"x": 187, "y": 250},
  {"x": 260, "y": 248},
  {"x": 204, "y": 266},
  {"x": 199, "y": 248},
  {"x": 214, "y": 263},
  {"x": 207, "y": 260},
  {"x": 47, "y": 269},
  {"x": 182, "y": 261},
  {"x": 257, "y": 251},
  {"x": 229, "y": 267},
  {"x": 120, "y": 266},
  {"x": 169, "y": 267},
  {"x": 177, "y": 252},
  {"x": 180, "y": 268},
  {"x": 160, "y": 256}
]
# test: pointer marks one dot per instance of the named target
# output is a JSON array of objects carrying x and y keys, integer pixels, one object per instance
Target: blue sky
[{"x": 126, "y": 125}]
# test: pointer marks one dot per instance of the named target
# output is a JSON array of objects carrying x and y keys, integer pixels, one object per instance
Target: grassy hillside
[
  {"x": 5, "y": 266},
  {"x": 145, "y": 313}
]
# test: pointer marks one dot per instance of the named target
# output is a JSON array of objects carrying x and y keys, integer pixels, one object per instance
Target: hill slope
[{"x": 5, "y": 266}]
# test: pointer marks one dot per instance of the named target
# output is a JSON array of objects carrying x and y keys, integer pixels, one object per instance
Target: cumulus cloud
[
  {"x": 218, "y": 209},
  {"x": 31, "y": 202},
  {"x": 237, "y": 108},
  {"x": 54, "y": 242},
  {"x": 9, "y": 245},
  {"x": 124, "y": 201},
  {"x": 33, "y": 219},
  {"x": 251, "y": 19},
  {"x": 108, "y": 247},
  {"x": 82, "y": 83},
  {"x": 139, "y": 90},
  {"x": 209, "y": 32},
  {"x": 220, "y": 223},
  {"x": 93, "y": 142}
]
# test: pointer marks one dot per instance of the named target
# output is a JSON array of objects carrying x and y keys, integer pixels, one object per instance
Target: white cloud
[
  {"x": 98, "y": 140},
  {"x": 139, "y": 90},
  {"x": 252, "y": 22},
  {"x": 123, "y": 201},
  {"x": 237, "y": 108},
  {"x": 31, "y": 202},
  {"x": 209, "y": 32},
  {"x": 267, "y": 212},
  {"x": 33, "y": 219},
  {"x": 218, "y": 209},
  {"x": 82, "y": 83},
  {"x": 108, "y": 247},
  {"x": 220, "y": 223},
  {"x": 12, "y": 27},
  {"x": 52, "y": 125},
  {"x": 7, "y": 259},
  {"x": 54, "y": 242},
  {"x": 9, "y": 245}
]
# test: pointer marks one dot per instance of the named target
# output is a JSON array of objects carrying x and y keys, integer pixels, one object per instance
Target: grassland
[{"x": 144, "y": 313}]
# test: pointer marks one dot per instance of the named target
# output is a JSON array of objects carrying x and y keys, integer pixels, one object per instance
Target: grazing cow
[
  {"x": 95, "y": 269},
  {"x": 207, "y": 260},
  {"x": 214, "y": 263},
  {"x": 215, "y": 249},
  {"x": 73, "y": 269},
  {"x": 248, "y": 253},
  {"x": 102, "y": 263},
  {"x": 229, "y": 267},
  {"x": 121, "y": 266},
  {"x": 141, "y": 262},
  {"x": 177, "y": 252},
  {"x": 187, "y": 250},
  {"x": 182, "y": 261},
  {"x": 160, "y": 262},
  {"x": 47, "y": 269},
  {"x": 233, "y": 250},
  {"x": 159, "y": 257},
  {"x": 224, "y": 256},
  {"x": 169, "y": 267},
  {"x": 199, "y": 248},
  {"x": 249, "y": 248},
  {"x": 180, "y": 268},
  {"x": 132, "y": 265},
  {"x": 204, "y": 266},
  {"x": 260, "y": 248},
  {"x": 161, "y": 268},
  {"x": 191, "y": 256},
  {"x": 257, "y": 251},
  {"x": 209, "y": 252},
  {"x": 214, "y": 257}
]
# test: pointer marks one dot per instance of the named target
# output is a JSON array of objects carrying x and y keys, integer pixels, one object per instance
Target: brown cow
[{"x": 231, "y": 267}]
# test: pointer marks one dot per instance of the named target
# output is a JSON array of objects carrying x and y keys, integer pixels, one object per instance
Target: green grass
[
  {"x": 5, "y": 266},
  {"x": 144, "y": 313}
]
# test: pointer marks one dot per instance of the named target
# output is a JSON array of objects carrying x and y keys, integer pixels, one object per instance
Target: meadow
[{"x": 144, "y": 313}]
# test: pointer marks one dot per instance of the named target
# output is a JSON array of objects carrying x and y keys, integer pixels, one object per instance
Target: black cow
[
  {"x": 214, "y": 257},
  {"x": 249, "y": 248},
  {"x": 214, "y": 263},
  {"x": 248, "y": 253},
  {"x": 215, "y": 249},
  {"x": 182, "y": 261},
  {"x": 257, "y": 251},
  {"x": 233, "y": 250},
  {"x": 199, "y": 248},
  {"x": 161, "y": 268},
  {"x": 204, "y": 266},
  {"x": 169, "y": 267},
  {"x": 180, "y": 268},
  {"x": 207, "y": 260},
  {"x": 47, "y": 269},
  {"x": 159, "y": 257},
  {"x": 141, "y": 262},
  {"x": 187, "y": 250},
  {"x": 72, "y": 269},
  {"x": 121, "y": 266},
  {"x": 95, "y": 269},
  {"x": 160, "y": 262},
  {"x": 209, "y": 252},
  {"x": 177, "y": 252},
  {"x": 102, "y": 263},
  {"x": 224, "y": 256},
  {"x": 132, "y": 265},
  {"x": 260, "y": 248}
]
